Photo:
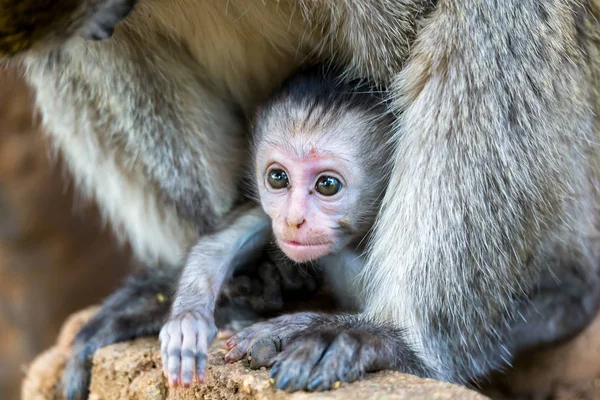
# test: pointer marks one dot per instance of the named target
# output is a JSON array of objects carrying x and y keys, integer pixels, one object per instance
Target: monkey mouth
[
  {"x": 295, "y": 243},
  {"x": 304, "y": 252}
]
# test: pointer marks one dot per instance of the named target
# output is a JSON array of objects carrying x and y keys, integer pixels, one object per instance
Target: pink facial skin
[{"x": 307, "y": 224}]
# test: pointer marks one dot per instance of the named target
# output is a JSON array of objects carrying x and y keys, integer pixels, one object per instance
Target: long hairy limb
[
  {"x": 191, "y": 328},
  {"x": 493, "y": 160},
  {"x": 148, "y": 123},
  {"x": 141, "y": 305},
  {"x": 138, "y": 308},
  {"x": 493, "y": 175}
]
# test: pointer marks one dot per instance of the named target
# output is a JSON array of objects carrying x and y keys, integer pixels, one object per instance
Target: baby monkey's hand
[
  {"x": 262, "y": 341},
  {"x": 184, "y": 341}
]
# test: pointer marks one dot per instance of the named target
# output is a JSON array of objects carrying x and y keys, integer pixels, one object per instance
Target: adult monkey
[{"x": 490, "y": 219}]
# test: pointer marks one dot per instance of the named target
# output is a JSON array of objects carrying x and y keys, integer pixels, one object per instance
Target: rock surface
[{"x": 132, "y": 370}]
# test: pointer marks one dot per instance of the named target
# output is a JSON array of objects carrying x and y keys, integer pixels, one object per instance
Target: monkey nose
[{"x": 295, "y": 222}]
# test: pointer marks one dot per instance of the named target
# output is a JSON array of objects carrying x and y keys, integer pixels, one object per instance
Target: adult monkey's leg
[
  {"x": 495, "y": 167},
  {"x": 495, "y": 159}
]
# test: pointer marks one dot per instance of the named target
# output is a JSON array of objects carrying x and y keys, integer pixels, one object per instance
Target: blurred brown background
[{"x": 55, "y": 254}]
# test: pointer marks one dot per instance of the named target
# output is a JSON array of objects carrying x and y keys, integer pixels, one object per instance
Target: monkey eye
[
  {"x": 328, "y": 185},
  {"x": 277, "y": 179}
]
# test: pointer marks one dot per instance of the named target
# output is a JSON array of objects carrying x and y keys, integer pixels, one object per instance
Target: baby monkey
[{"x": 321, "y": 146}]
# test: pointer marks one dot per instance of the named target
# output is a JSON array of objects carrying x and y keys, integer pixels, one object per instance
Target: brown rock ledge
[{"x": 132, "y": 370}]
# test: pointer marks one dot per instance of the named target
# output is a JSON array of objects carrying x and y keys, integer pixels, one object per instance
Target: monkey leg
[
  {"x": 481, "y": 179},
  {"x": 311, "y": 351},
  {"x": 138, "y": 308}
]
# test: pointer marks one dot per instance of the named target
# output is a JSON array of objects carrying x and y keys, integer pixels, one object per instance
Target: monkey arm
[
  {"x": 191, "y": 326},
  {"x": 491, "y": 164},
  {"x": 137, "y": 309},
  {"x": 490, "y": 192}
]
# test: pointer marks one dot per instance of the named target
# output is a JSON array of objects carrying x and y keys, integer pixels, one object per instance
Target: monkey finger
[
  {"x": 201, "y": 355},
  {"x": 165, "y": 367},
  {"x": 327, "y": 373},
  {"x": 236, "y": 339},
  {"x": 200, "y": 367},
  {"x": 346, "y": 359},
  {"x": 188, "y": 359},
  {"x": 231, "y": 342},
  {"x": 291, "y": 375},
  {"x": 294, "y": 366},
  {"x": 163, "y": 335},
  {"x": 189, "y": 340},
  {"x": 164, "y": 354},
  {"x": 237, "y": 352},
  {"x": 174, "y": 362},
  {"x": 173, "y": 372}
]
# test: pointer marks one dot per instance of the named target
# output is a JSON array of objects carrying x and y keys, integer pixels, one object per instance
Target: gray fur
[
  {"x": 493, "y": 176},
  {"x": 191, "y": 326},
  {"x": 312, "y": 106},
  {"x": 495, "y": 171}
]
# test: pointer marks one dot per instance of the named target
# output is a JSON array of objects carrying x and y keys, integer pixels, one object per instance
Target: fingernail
[
  {"x": 274, "y": 371},
  {"x": 283, "y": 383},
  {"x": 232, "y": 355},
  {"x": 315, "y": 383}
]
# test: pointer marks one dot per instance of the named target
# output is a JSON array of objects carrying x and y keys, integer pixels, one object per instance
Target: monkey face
[{"x": 311, "y": 198}]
